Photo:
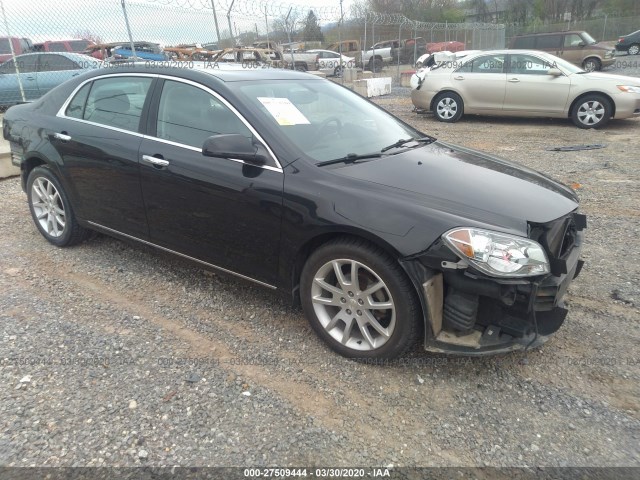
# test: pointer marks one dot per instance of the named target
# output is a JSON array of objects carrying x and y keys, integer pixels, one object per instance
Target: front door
[
  {"x": 218, "y": 210},
  {"x": 530, "y": 88}
]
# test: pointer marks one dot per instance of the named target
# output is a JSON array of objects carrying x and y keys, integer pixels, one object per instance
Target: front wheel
[
  {"x": 375, "y": 65},
  {"x": 591, "y": 111},
  {"x": 338, "y": 71},
  {"x": 51, "y": 209},
  {"x": 449, "y": 107},
  {"x": 591, "y": 64},
  {"x": 359, "y": 301}
]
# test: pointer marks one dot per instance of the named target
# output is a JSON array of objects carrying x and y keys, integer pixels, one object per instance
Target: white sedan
[{"x": 329, "y": 62}]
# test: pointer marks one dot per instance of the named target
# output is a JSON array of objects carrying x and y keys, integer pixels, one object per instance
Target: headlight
[
  {"x": 629, "y": 88},
  {"x": 498, "y": 254}
]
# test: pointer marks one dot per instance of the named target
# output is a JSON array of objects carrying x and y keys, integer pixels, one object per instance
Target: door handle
[
  {"x": 514, "y": 80},
  {"x": 30, "y": 78},
  {"x": 62, "y": 136},
  {"x": 155, "y": 161},
  {"x": 459, "y": 77}
]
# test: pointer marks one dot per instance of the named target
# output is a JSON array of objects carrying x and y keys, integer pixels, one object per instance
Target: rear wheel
[
  {"x": 449, "y": 107},
  {"x": 338, "y": 71},
  {"x": 634, "y": 49},
  {"x": 591, "y": 64},
  {"x": 301, "y": 67},
  {"x": 51, "y": 209},
  {"x": 359, "y": 301},
  {"x": 376, "y": 64},
  {"x": 591, "y": 111}
]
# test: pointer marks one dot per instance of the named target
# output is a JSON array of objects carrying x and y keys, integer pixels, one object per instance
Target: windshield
[
  {"x": 323, "y": 120},
  {"x": 588, "y": 38}
]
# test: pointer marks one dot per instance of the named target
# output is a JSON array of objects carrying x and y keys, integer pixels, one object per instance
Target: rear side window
[
  {"x": 75, "y": 109},
  {"x": 524, "y": 43},
  {"x": 545, "y": 42},
  {"x": 56, "y": 63},
  {"x": 117, "y": 102}
]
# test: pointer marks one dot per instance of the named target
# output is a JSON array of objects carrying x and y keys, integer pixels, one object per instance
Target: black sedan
[
  {"x": 382, "y": 233},
  {"x": 629, "y": 43}
]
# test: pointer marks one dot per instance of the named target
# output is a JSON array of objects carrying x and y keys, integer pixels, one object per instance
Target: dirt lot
[{"x": 114, "y": 354}]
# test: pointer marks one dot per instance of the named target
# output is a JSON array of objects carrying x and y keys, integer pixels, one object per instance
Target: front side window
[
  {"x": 573, "y": 40},
  {"x": 189, "y": 115},
  {"x": 117, "y": 102},
  {"x": 530, "y": 65}
]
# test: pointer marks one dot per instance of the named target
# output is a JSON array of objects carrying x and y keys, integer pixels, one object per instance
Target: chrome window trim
[
  {"x": 61, "y": 114},
  {"x": 231, "y": 272}
]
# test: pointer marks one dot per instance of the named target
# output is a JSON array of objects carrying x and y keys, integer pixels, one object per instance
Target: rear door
[
  {"x": 481, "y": 82},
  {"x": 222, "y": 211},
  {"x": 53, "y": 70},
  {"x": 98, "y": 136}
]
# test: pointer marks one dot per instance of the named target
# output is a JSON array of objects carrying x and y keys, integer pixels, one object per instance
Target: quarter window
[
  {"x": 117, "y": 101},
  {"x": 189, "y": 115},
  {"x": 75, "y": 109}
]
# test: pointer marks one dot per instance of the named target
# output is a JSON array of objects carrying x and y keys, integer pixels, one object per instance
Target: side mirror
[
  {"x": 555, "y": 72},
  {"x": 234, "y": 146}
]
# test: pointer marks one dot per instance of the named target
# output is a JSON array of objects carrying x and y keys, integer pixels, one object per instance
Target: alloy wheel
[
  {"x": 634, "y": 50},
  {"x": 353, "y": 304},
  {"x": 48, "y": 207}
]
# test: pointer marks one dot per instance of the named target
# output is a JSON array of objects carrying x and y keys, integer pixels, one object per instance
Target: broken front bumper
[{"x": 469, "y": 313}]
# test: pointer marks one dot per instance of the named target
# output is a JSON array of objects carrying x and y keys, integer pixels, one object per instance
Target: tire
[
  {"x": 375, "y": 65},
  {"x": 448, "y": 107},
  {"x": 337, "y": 309},
  {"x": 634, "y": 49},
  {"x": 337, "y": 72},
  {"x": 591, "y": 111},
  {"x": 51, "y": 210},
  {"x": 300, "y": 67},
  {"x": 591, "y": 64}
]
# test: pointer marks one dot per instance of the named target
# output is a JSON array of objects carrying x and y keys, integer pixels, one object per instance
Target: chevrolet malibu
[
  {"x": 385, "y": 235},
  {"x": 525, "y": 83}
]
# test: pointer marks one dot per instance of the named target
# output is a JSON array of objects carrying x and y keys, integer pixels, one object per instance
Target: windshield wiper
[
  {"x": 349, "y": 158},
  {"x": 403, "y": 141}
]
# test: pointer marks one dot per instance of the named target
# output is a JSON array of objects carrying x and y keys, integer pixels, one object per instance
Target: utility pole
[
  {"x": 215, "y": 19},
  {"x": 229, "y": 22}
]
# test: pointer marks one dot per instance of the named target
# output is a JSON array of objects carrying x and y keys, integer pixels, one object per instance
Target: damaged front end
[{"x": 472, "y": 310}]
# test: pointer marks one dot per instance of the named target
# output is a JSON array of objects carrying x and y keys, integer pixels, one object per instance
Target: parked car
[
  {"x": 38, "y": 73},
  {"x": 379, "y": 55},
  {"x": 409, "y": 50},
  {"x": 384, "y": 234},
  {"x": 577, "y": 47},
  {"x": 331, "y": 63},
  {"x": 526, "y": 83},
  {"x": 629, "y": 43},
  {"x": 143, "y": 50},
  {"x": 20, "y": 46},
  {"x": 301, "y": 60},
  {"x": 350, "y": 48},
  {"x": 75, "y": 46}
]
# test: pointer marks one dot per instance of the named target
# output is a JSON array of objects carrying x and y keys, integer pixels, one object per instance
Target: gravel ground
[{"x": 117, "y": 355}]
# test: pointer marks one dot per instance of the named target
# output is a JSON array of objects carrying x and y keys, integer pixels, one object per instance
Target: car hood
[
  {"x": 599, "y": 77},
  {"x": 469, "y": 185}
]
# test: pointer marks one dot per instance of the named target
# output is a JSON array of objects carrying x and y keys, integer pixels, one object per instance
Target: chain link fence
[{"x": 162, "y": 29}]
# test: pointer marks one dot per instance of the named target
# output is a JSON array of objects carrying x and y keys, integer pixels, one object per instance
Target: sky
[{"x": 150, "y": 20}]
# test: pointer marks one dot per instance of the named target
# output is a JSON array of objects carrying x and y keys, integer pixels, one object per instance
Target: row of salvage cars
[{"x": 520, "y": 83}]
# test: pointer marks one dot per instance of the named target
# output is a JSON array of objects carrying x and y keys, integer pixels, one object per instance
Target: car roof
[
  {"x": 232, "y": 72},
  {"x": 537, "y": 34},
  {"x": 77, "y": 57}
]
